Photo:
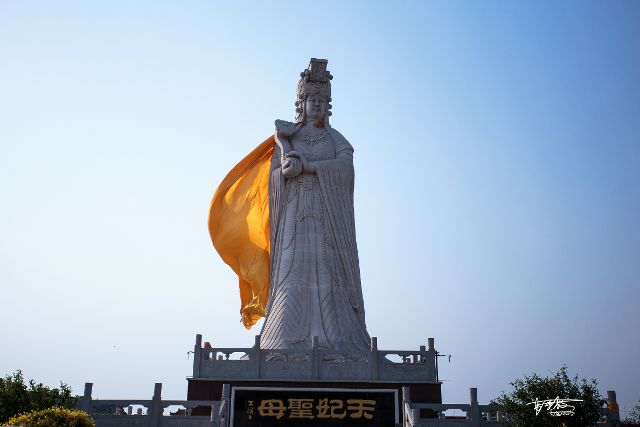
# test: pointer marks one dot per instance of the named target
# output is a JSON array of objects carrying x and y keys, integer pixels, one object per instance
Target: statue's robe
[{"x": 313, "y": 265}]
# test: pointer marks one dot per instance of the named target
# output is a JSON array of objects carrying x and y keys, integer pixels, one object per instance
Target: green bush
[
  {"x": 17, "y": 397},
  {"x": 53, "y": 417}
]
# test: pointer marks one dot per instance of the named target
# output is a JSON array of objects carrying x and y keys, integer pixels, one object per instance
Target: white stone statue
[{"x": 315, "y": 276}]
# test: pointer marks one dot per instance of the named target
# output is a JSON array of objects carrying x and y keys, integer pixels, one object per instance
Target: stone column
[
  {"x": 155, "y": 409},
  {"x": 474, "y": 413},
  {"x": 257, "y": 358},
  {"x": 197, "y": 356},
  {"x": 315, "y": 357},
  {"x": 85, "y": 404},
  {"x": 224, "y": 405},
  {"x": 415, "y": 417},
  {"x": 614, "y": 410},
  {"x": 375, "y": 359},
  {"x": 406, "y": 404},
  {"x": 432, "y": 359}
]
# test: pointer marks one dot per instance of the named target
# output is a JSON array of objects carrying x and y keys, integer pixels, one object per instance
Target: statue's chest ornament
[{"x": 314, "y": 138}]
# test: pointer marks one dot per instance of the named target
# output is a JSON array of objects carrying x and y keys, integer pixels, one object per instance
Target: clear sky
[{"x": 497, "y": 155}]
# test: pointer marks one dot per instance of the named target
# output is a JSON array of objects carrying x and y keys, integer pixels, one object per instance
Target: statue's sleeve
[
  {"x": 336, "y": 178},
  {"x": 275, "y": 158},
  {"x": 344, "y": 150},
  {"x": 343, "y": 163},
  {"x": 276, "y": 187}
]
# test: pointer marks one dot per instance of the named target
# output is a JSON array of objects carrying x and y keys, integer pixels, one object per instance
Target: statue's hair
[{"x": 315, "y": 80}]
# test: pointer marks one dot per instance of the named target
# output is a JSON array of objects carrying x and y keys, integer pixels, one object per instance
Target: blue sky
[{"x": 497, "y": 191}]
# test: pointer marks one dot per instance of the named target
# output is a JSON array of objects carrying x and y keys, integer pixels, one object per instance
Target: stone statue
[
  {"x": 282, "y": 219},
  {"x": 314, "y": 270}
]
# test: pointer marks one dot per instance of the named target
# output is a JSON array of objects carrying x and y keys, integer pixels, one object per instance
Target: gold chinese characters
[{"x": 316, "y": 408}]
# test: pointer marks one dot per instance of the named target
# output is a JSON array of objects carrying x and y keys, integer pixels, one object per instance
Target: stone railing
[
  {"x": 150, "y": 413},
  {"x": 477, "y": 415},
  {"x": 314, "y": 364},
  {"x": 121, "y": 412}
]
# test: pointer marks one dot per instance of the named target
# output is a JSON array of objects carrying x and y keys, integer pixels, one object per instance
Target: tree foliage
[
  {"x": 633, "y": 417},
  {"x": 530, "y": 388},
  {"x": 17, "y": 397},
  {"x": 53, "y": 417}
]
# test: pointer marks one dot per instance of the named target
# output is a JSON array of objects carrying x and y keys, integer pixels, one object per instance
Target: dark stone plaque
[{"x": 326, "y": 407}]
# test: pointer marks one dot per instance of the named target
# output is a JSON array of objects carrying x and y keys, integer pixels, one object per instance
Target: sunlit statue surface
[{"x": 302, "y": 242}]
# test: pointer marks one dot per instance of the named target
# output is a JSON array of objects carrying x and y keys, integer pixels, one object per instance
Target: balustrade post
[
  {"x": 415, "y": 417},
  {"x": 197, "y": 356},
  {"x": 257, "y": 358},
  {"x": 315, "y": 357},
  {"x": 406, "y": 402},
  {"x": 431, "y": 359},
  {"x": 155, "y": 408},
  {"x": 614, "y": 409},
  {"x": 224, "y": 405},
  {"x": 86, "y": 404},
  {"x": 474, "y": 413},
  {"x": 375, "y": 359},
  {"x": 212, "y": 418}
]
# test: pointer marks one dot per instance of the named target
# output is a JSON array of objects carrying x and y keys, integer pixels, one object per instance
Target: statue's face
[{"x": 315, "y": 107}]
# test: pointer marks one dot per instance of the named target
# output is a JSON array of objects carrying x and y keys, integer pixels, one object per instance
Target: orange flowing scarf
[{"x": 239, "y": 228}]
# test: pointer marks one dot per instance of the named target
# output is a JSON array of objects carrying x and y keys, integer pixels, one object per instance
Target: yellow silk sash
[{"x": 239, "y": 228}]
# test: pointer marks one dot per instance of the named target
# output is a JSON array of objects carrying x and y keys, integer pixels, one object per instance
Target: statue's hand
[
  {"x": 307, "y": 166},
  {"x": 291, "y": 167}
]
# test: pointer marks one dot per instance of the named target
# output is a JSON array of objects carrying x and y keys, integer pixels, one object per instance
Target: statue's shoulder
[{"x": 341, "y": 141}]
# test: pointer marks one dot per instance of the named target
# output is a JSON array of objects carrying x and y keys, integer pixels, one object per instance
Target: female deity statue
[
  {"x": 315, "y": 277},
  {"x": 313, "y": 271}
]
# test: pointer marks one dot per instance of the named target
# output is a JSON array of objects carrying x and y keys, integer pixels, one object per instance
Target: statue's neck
[{"x": 314, "y": 123}]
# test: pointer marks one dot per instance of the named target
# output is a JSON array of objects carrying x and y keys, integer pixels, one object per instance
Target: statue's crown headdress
[{"x": 315, "y": 80}]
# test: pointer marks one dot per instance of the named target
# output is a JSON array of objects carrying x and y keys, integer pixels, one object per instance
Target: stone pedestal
[{"x": 315, "y": 369}]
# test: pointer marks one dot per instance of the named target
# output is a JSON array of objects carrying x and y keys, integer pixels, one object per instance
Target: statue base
[{"x": 288, "y": 387}]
